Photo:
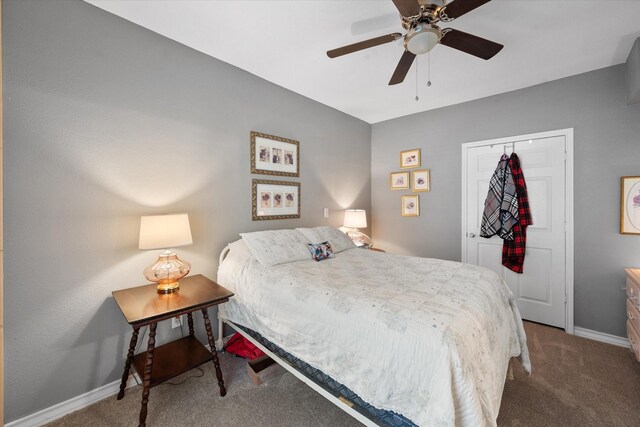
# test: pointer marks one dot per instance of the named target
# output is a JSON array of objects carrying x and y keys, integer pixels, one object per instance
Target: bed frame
[{"x": 340, "y": 403}]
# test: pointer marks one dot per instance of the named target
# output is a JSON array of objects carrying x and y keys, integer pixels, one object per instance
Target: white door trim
[{"x": 569, "y": 251}]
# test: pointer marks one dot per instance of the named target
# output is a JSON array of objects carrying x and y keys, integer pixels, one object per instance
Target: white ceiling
[{"x": 285, "y": 42}]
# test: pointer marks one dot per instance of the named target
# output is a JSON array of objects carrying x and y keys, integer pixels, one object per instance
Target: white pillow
[
  {"x": 336, "y": 238},
  {"x": 274, "y": 247},
  {"x": 239, "y": 250}
]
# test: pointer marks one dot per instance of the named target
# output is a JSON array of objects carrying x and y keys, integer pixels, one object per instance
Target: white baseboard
[
  {"x": 601, "y": 336},
  {"x": 75, "y": 403}
]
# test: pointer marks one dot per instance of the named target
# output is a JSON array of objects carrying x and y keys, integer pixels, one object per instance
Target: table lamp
[
  {"x": 354, "y": 219},
  {"x": 164, "y": 232}
]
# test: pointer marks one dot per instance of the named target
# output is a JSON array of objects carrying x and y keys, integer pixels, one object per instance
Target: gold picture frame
[
  {"x": 399, "y": 180},
  {"x": 630, "y": 205},
  {"x": 274, "y": 200},
  {"x": 421, "y": 180},
  {"x": 410, "y": 205},
  {"x": 410, "y": 159},
  {"x": 274, "y": 155}
]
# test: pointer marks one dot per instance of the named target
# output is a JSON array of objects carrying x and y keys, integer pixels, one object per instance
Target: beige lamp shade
[
  {"x": 355, "y": 218},
  {"x": 164, "y": 231}
]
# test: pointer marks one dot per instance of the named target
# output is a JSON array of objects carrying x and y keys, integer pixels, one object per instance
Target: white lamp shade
[
  {"x": 355, "y": 218},
  {"x": 164, "y": 231}
]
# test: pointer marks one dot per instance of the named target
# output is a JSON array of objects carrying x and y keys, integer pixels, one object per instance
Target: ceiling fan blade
[
  {"x": 457, "y": 8},
  {"x": 407, "y": 7},
  {"x": 468, "y": 43},
  {"x": 363, "y": 45},
  {"x": 403, "y": 68}
]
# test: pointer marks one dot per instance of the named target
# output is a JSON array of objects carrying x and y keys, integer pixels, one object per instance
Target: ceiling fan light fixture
[{"x": 422, "y": 38}]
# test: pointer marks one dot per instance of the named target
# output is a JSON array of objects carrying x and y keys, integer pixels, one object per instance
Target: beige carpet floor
[{"x": 576, "y": 382}]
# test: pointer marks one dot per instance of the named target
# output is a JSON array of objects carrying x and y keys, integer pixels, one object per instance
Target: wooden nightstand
[
  {"x": 369, "y": 248},
  {"x": 142, "y": 306}
]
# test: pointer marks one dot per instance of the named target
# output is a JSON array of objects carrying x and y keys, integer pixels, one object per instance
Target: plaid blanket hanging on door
[
  {"x": 500, "y": 213},
  {"x": 513, "y": 251}
]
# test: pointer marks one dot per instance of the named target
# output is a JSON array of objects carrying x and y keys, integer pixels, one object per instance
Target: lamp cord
[
  {"x": 188, "y": 378},
  {"x": 192, "y": 376},
  {"x": 141, "y": 340}
]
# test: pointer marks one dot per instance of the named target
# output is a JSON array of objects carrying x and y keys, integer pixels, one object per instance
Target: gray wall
[
  {"x": 106, "y": 121},
  {"x": 633, "y": 74},
  {"x": 607, "y": 146}
]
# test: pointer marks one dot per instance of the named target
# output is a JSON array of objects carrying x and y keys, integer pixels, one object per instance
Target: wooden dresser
[{"x": 633, "y": 309}]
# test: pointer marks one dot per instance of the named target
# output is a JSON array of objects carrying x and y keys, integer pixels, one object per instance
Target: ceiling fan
[{"x": 419, "y": 18}]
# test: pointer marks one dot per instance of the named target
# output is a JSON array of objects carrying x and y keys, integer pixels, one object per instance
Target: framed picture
[
  {"x": 411, "y": 205},
  {"x": 630, "y": 205},
  {"x": 399, "y": 180},
  {"x": 410, "y": 158},
  {"x": 420, "y": 180},
  {"x": 272, "y": 155},
  {"x": 275, "y": 200}
]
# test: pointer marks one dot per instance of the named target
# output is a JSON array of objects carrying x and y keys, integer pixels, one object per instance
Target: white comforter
[{"x": 426, "y": 338}]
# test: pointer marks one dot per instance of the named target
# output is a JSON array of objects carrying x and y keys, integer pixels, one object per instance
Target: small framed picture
[
  {"x": 420, "y": 180},
  {"x": 273, "y": 155},
  {"x": 399, "y": 180},
  {"x": 410, "y": 205},
  {"x": 630, "y": 205},
  {"x": 410, "y": 158},
  {"x": 275, "y": 200}
]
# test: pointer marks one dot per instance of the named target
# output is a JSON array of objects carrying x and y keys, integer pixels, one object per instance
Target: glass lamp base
[{"x": 166, "y": 272}]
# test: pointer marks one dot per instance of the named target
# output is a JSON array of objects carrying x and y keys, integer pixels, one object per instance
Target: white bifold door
[{"x": 541, "y": 291}]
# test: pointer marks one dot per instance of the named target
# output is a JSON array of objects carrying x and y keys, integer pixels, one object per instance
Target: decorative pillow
[
  {"x": 320, "y": 251},
  {"x": 274, "y": 247},
  {"x": 338, "y": 240}
]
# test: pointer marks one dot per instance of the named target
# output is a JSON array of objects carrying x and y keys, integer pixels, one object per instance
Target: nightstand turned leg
[
  {"x": 146, "y": 382},
  {"x": 127, "y": 364},
  {"x": 190, "y": 322},
  {"x": 214, "y": 353}
]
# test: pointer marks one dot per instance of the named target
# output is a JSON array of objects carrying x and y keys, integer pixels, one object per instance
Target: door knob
[{"x": 472, "y": 235}]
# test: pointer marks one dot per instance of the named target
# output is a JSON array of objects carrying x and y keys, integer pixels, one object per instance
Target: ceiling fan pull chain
[
  {"x": 429, "y": 69},
  {"x": 417, "y": 98}
]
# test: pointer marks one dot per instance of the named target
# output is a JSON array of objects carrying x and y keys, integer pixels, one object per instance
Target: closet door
[{"x": 540, "y": 291}]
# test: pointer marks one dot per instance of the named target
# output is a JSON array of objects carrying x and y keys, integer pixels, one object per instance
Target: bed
[{"x": 425, "y": 339}]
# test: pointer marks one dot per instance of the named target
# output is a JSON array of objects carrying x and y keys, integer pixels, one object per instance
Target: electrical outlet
[{"x": 176, "y": 322}]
